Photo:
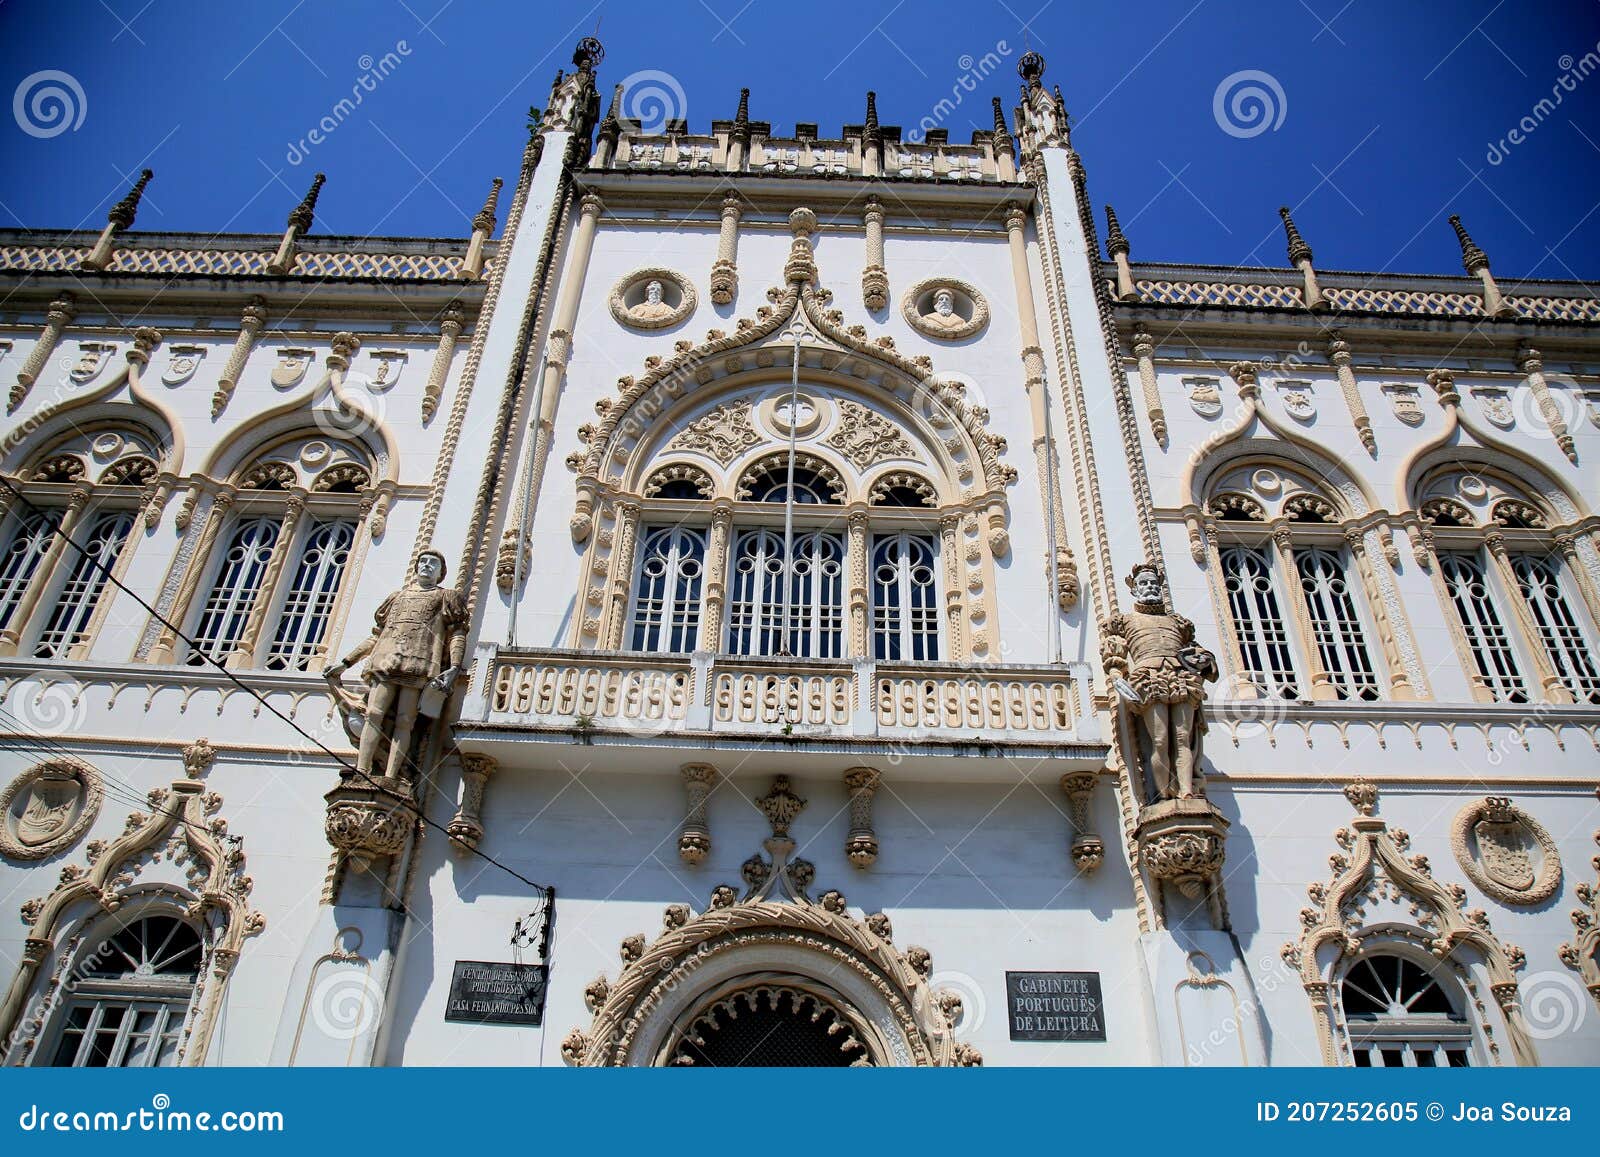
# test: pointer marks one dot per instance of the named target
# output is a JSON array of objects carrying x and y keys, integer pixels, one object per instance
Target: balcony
[{"x": 593, "y": 695}]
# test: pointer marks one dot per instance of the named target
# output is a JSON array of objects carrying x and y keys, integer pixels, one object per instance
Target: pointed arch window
[
  {"x": 308, "y": 605},
  {"x": 1486, "y": 637},
  {"x": 667, "y": 600},
  {"x": 905, "y": 601},
  {"x": 131, "y": 997},
  {"x": 235, "y": 589},
  {"x": 31, "y": 536},
  {"x": 1258, "y": 623},
  {"x": 90, "y": 570},
  {"x": 1401, "y": 1015},
  {"x": 1336, "y": 627},
  {"x": 1539, "y": 579}
]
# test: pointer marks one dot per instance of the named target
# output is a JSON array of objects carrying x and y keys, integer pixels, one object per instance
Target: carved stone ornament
[
  {"x": 1406, "y": 401},
  {"x": 1495, "y": 402},
  {"x": 46, "y": 809},
  {"x": 722, "y": 433},
  {"x": 1582, "y": 952},
  {"x": 92, "y": 358},
  {"x": 291, "y": 367},
  {"x": 1378, "y": 892},
  {"x": 182, "y": 362},
  {"x": 367, "y": 824},
  {"x": 1181, "y": 842},
  {"x": 1298, "y": 400},
  {"x": 866, "y": 437},
  {"x": 671, "y": 991},
  {"x": 944, "y": 308},
  {"x": 1205, "y": 396},
  {"x": 1494, "y": 842},
  {"x": 1088, "y": 849},
  {"x": 652, "y": 299}
]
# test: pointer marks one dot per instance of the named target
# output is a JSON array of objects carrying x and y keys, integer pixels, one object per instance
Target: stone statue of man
[
  {"x": 654, "y": 306},
  {"x": 1160, "y": 672},
  {"x": 413, "y": 658}
]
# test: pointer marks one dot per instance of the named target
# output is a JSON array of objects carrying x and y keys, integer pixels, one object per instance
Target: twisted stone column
[
  {"x": 449, "y": 330},
  {"x": 694, "y": 837},
  {"x": 1144, "y": 349},
  {"x": 621, "y": 573},
  {"x": 875, "y": 277},
  {"x": 861, "y": 846},
  {"x": 62, "y": 310},
  {"x": 725, "y": 270},
  {"x": 250, "y": 323},
  {"x": 1339, "y": 356},
  {"x": 716, "y": 583},
  {"x": 1531, "y": 363}
]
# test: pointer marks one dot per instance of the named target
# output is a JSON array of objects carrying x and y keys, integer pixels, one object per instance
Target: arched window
[
  {"x": 771, "y": 1026},
  {"x": 905, "y": 607},
  {"x": 1288, "y": 572},
  {"x": 1400, "y": 1014},
  {"x": 83, "y": 491},
  {"x": 792, "y": 606},
  {"x": 666, "y": 613},
  {"x": 815, "y": 483},
  {"x": 285, "y": 552},
  {"x": 130, "y": 998},
  {"x": 1518, "y": 602}
]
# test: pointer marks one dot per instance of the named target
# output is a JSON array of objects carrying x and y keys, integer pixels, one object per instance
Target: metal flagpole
[{"x": 788, "y": 495}]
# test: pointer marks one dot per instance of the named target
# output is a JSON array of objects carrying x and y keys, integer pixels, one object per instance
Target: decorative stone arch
[
  {"x": 114, "y": 444},
  {"x": 1378, "y": 895},
  {"x": 1480, "y": 483},
  {"x": 604, "y": 464},
  {"x": 834, "y": 479},
  {"x": 179, "y": 853}
]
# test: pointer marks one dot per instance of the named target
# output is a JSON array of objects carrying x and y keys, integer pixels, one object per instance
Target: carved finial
[
  {"x": 1471, "y": 256},
  {"x": 1363, "y": 796},
  {"x": 872, "y": 134},
  {"x": 1116, "y": 242},
  {"x": 1030, "y": 67},
  {"x": 741, "y": 119},
  {"x": 1298, "y": 249},
  {"x": 304, "y": 213},
  {"x": 1002, "y": 135},
  {"x": 588, "y": 55},
  {"x": 780, "y": 806},
  {"x": 123, "y": 212},
  {"x": 198, "y": 758},
  {"x": 611, "y": 126},
  {"x": 484, "y": 221}
]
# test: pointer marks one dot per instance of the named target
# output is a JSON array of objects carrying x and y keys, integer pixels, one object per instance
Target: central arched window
[
  {"x": 771, "y": 1026},
  {"x": 792, "y": 606},
  {"x": 1258, "y": 622},
  {"x": 1400, "y": 1014},
  {"x": 130, "y": 997}
]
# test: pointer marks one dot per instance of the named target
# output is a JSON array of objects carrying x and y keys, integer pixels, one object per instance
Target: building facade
[{"x": 792, "y": 600}]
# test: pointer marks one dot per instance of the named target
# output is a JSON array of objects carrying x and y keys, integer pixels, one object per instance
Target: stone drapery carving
[
  {"x": 413, "y": 657},
  {"x": 866, "y": 437},
  {"x": 184, "y": 829},
  {"x": 694, "y": 837},
  {"x": 1375, "y": 885},
  {"x": 844, "y": 962},
  {"x": 46, "y": 809},
  {"x": 1493, "y": 841},
  {"x": 1160, "y": 672},
  {"x": 861, "y": 845}
]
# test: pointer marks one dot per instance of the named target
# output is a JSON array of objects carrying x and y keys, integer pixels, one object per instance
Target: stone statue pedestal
[
  {"x": 1181, "y": 842},
  {"x": 368, "y": 822}
]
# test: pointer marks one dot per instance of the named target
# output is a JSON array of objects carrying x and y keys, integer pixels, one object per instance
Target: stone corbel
[
  {"x": 253, "y": 317},
  {"x": 875, "y": 277},
  {"x": 582, "y": 521},
  {"x": 694, "y": 837},
  {"x": 861, "y": 846},
  {"x": 465, "y": 828},
  {"x": 1531, "y": 363},
  {"x": 725, "y": 270},
  {"x": 1339, "y": 356},
  {"x": 449, "y": 330},
  {"x": 1182, "y": 842},
  {"x": 61, "y": 311},
  {"x": 1088, "y": 849}
]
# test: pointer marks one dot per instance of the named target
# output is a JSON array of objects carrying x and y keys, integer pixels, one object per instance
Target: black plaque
[
  {"x": 1055, "y": 1006},
  {"x": 486, "y": 992}
]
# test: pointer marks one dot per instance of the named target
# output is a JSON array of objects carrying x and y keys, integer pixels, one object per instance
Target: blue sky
[{"x": 1391, "y": 115}]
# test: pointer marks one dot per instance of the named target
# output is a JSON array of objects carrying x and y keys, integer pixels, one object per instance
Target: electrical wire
[{"x": 348, "y": 768}]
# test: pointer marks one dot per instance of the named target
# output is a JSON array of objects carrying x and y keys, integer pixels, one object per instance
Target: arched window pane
[
  {"x": 1480, "y": 623},
  {"x": 905, "y": 609},
  {"x": 666, "y": 605},
  {"x": 303, "y": 623},
  {"x": 236, "y": 589},
  {"x": 131, "y": 997},
  {"x": 1263, "y": 635},
  {"x": 1399, "y": 1014},
  {"x": 86, "y": 580},
  {"x": 29, "y": 542},
  {"x": 814, "y": 585},
  {"x": 1335, "y": 625},
  {"x": 811, "y": 487},
  {"x": 1539, "y": 578}
]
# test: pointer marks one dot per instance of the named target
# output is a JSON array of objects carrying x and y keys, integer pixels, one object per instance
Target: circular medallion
[
  {"x": 652, "y": 299},
  {"x": 944, "y": 308},
  {"x": 47, "y": 808}
]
